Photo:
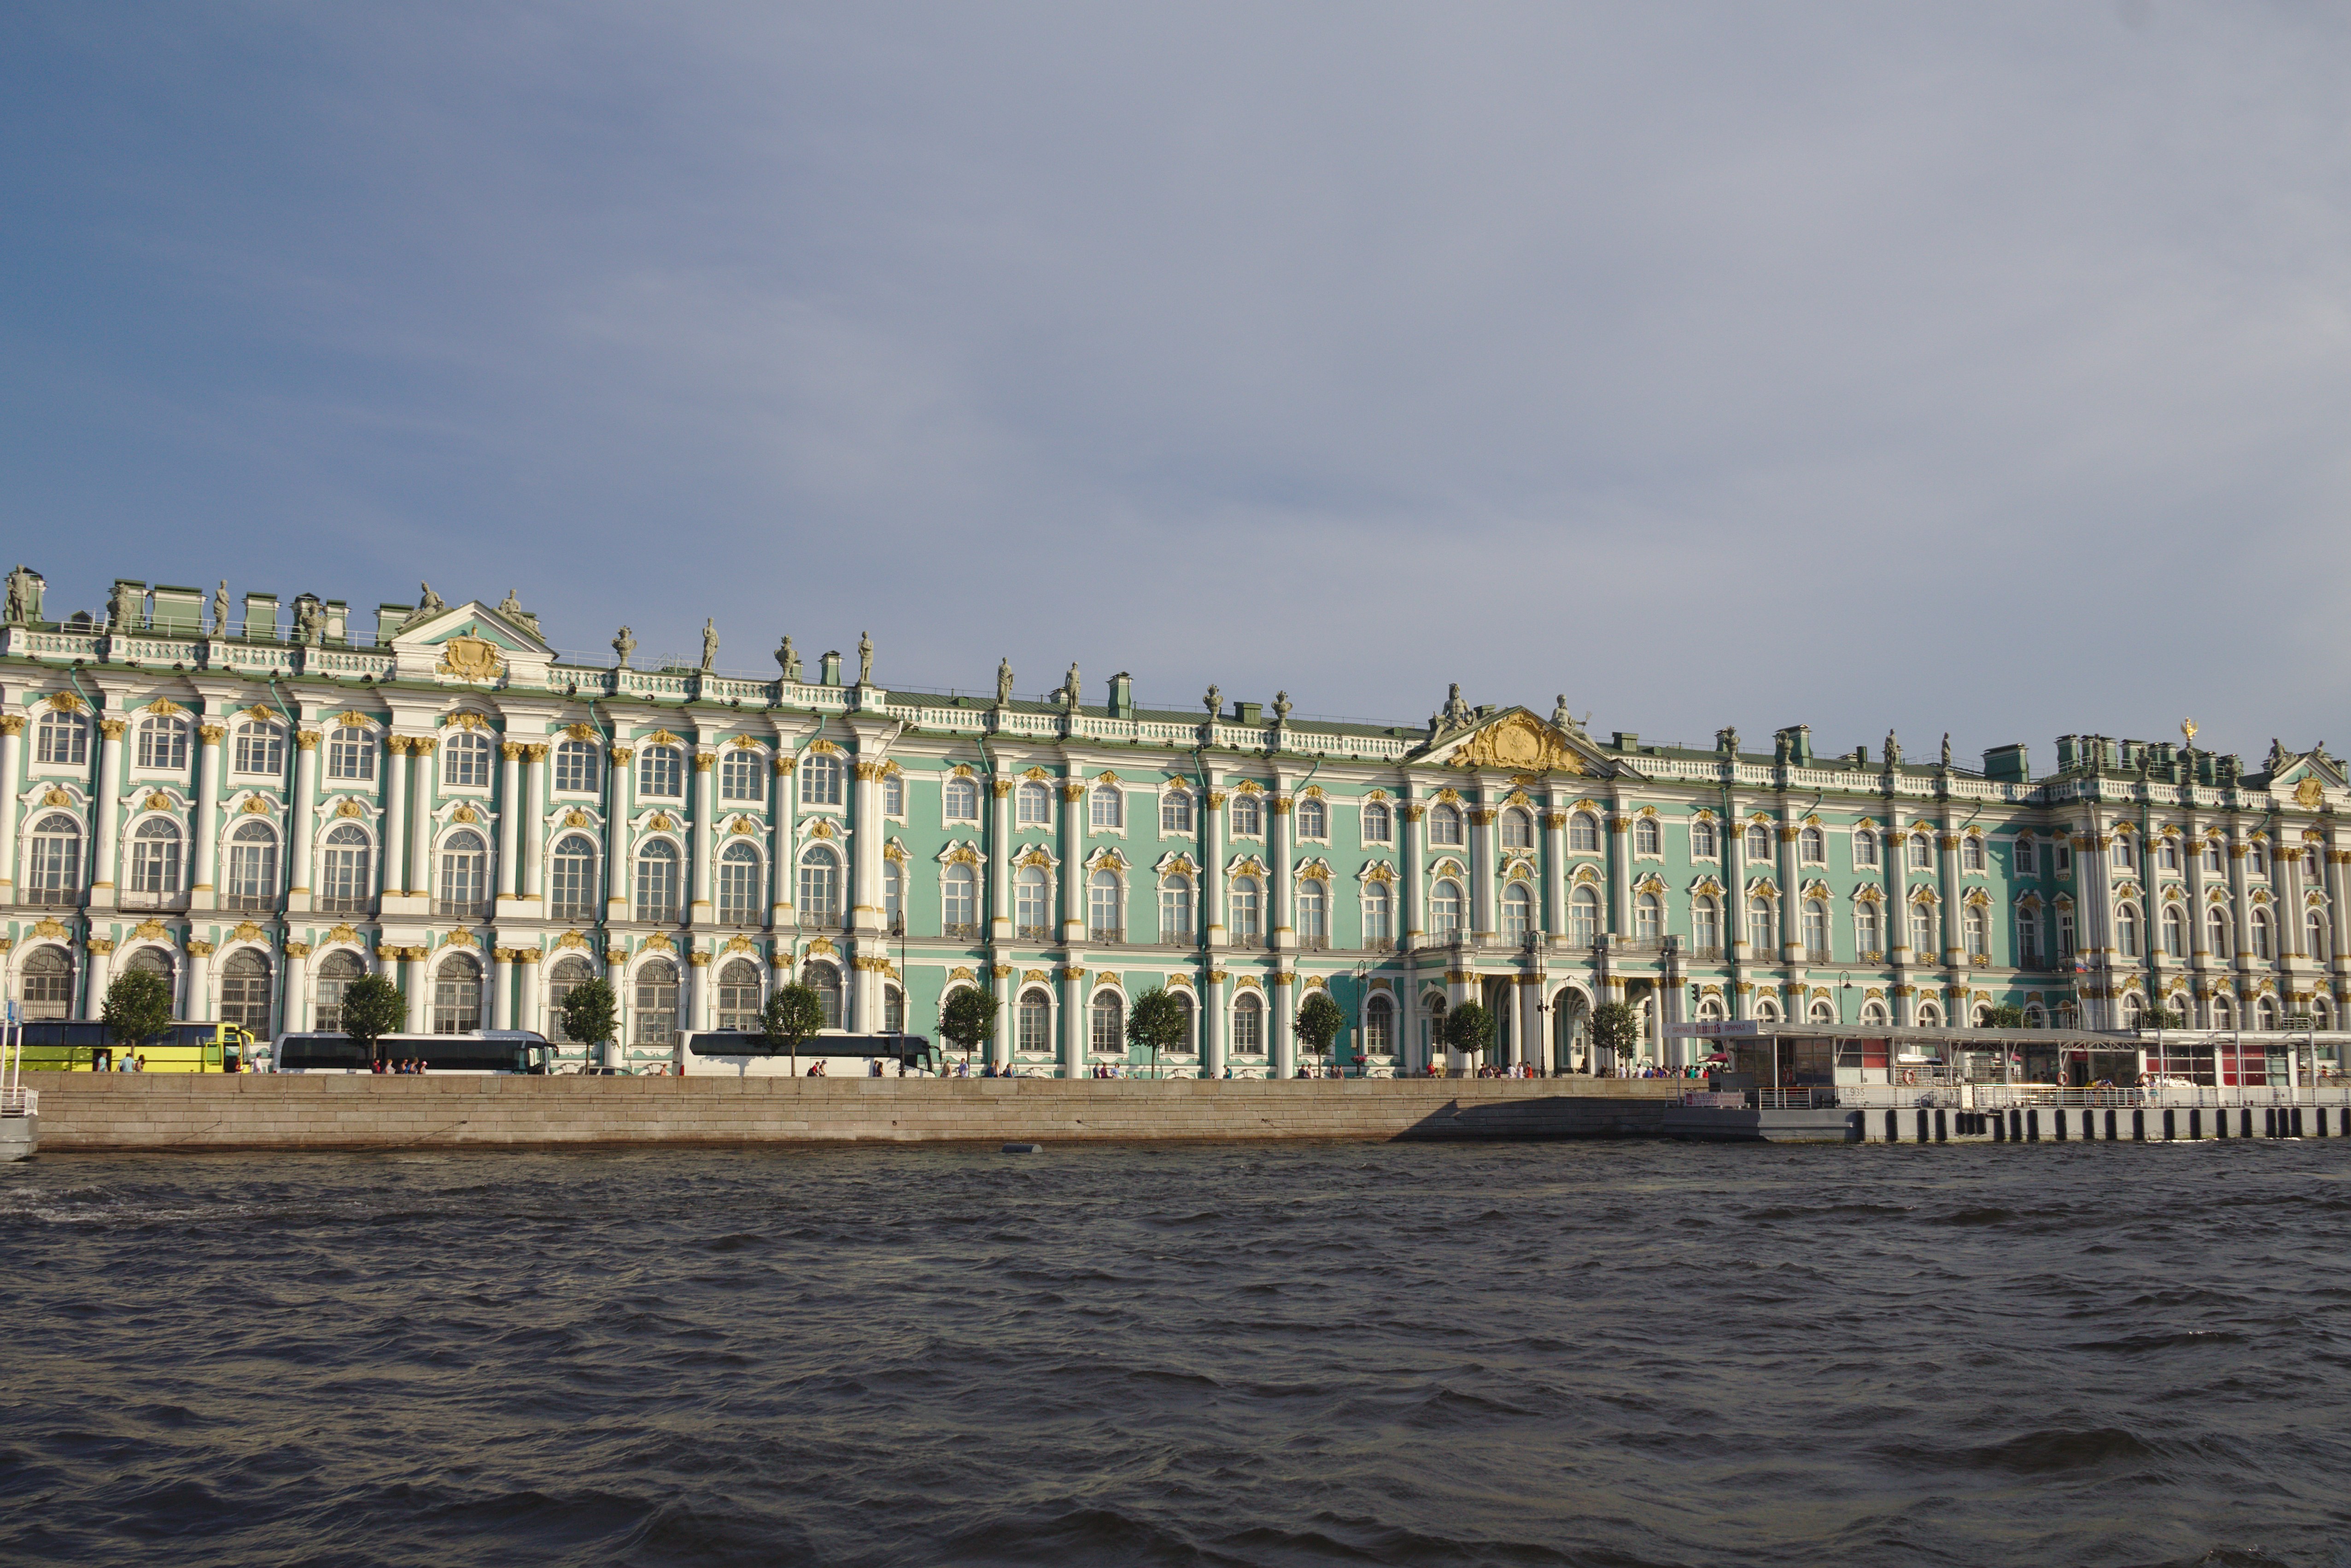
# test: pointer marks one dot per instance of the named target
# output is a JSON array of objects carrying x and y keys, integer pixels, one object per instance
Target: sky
[{"x": 1979, "y": 367}]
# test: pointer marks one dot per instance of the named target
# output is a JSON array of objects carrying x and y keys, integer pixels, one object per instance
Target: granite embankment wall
[{"x": 92, "y": 1112}]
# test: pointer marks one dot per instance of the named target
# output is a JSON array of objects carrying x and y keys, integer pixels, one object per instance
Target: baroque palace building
[{"x": 261, "y": 807}]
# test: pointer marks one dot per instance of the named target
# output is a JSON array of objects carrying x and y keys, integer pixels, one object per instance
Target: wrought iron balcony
[
  {"x": 53, "y": 898},
  {"x": 575, "y": 913},
  {"x": 960, "y": 931},
  {"x": 1106, "y": 936}
]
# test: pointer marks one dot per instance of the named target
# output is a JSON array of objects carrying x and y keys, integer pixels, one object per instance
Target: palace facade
[{"x": 261, "y": 807}]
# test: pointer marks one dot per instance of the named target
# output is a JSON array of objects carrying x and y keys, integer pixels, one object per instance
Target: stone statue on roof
[
  {"x": 709, "y": 644},
  {"x": 1069, "y": 689},
  {"x": 1892, "y": 751},
  {"x": 511, "y": 606},
  {"x": 622, "y": 646},
  {"x": 1215, "y": 699},
  {"x": 864, "y": 659},
  {"x": 1281, "y": 707},
  {"x": 24, "y": 596},
  {"x": 1561, "y": 718},
  {"x": 427, "y": 601},
  {"x": 220, "y": 609},
  {"x": 1003, "y": 681},
  {"x": 788, "y": 659},
  {"x": 1457, "y": 710},
  {"x": 1947, "y": 748}
]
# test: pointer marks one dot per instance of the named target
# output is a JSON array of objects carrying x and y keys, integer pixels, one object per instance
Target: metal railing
[
  {"x": 1106, "y": 936},
  {"x": 250, "y": 903},
  {"x": 575, "y": 913},
  {"x": 960, "y": 931},
  {"x": 330, "y": 906},
  {"x": 52, "y": 898},
  {"x": 1033, "y": 933}
]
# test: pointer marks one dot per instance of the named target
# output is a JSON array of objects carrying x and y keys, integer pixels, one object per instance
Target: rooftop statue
[
  {"x": 1003, "y": 681},
  {"x": 1281, "y": 706},
  {"x": 1069, "y": 689},
  {"x": 864, "y": 659},
  {"x": 24, "y": 596},
  {"x": 220, "y": 609},
  {"x": 1457, "y": 710},
  {"x": 788, "y": 659},
  {"x": 1215, "y": 700},
  {"x": 1892, "y": 751},
  {"x": 709, "y": 643},
  {"x": 623, "y": 646},
  {"x": 1561, "y": 718},
  {"x": 1947, "y": 748}
]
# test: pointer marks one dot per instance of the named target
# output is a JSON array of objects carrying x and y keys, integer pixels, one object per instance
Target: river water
[{"x": 1616, "y": 1353}]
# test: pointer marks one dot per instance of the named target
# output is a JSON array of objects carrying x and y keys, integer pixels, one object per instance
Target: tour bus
[
  {"x": 481, "y": 1051},
  {"x": 79, "y": 1045},
  {"x": 745, "y": 1054}
]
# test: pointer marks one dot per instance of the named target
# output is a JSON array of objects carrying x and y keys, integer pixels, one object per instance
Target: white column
[
  {"x": 1281, "y": 1010},
  {"x": 616, "y": 836},
  {"x": 705, "y": 817},
  {"x": 1281, "y": 918},
  {"x": 1620, "y": 872},
  {"x": 423, "y": 787},
  {"x": 1008, "y": 1018},
  {"x": 199, "y": 1003},
  {"x": 12, "y": 766},
  {"x": 1073, "y": 867},
  {"x": 110, "y": 813},
  {"x": 779, "y": 839},
  {"x": 302, "y": 831},
  {"x": 1074, "y": 1021},
  {"x": 1533, "y": 1044},
  {"x": 698, "y": 976},
  {"x": 1212, "y": 874},
  {"x": 1554, "y": 823},
  {"x": 528, "y": 1009},
  {"x": 999, "y": 870},
  {"x": 392, "y": 863},
  {"x": 867, "y": 833},
  {"x": 531, "y": 826},
  {"x": 511, "y": 818},
  {"x": 1483, "y": 922},
  {"x": 206, "y": 829},
  {"x": 419, "y": 987},
  {"x": 1215, "y": 1025},
  {"x": 502, "y": 988},
  {"x": 297, "y": 985},
  {"x": 101, "y": 974},
  {"x": 1416, "y": 874}
]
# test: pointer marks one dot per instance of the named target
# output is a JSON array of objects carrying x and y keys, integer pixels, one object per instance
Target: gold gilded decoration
[
  {"x": 2309, "y": 793},
  {"x": 466, "y": 814},
  {"x": 1035, "y": 858},
  {"x": 893, "y": 850},
  {"x": 821, "y": 828},
  {"x": 350, "y": 808},
  {"x": 659, "y": 942},
  {"x": 1072, "y": 971},
  {"x": 307, "y": 741},
  {"x": 698, "y": 959},
  {"x": 1519, "y": 742},
  {"x": 47, "y": 926},
  {"x": 823, "y": 747},
  {"x": 151, "y": 931},
  {"x": 464, "y": 720},
  {"x": 961, "y": 972},
  {"x": 571, "y": 940},
  {"x": 661, "y": 738},
  {"x": 113, "y": 728},
  {"x": 581, "y": 732},
  {"x": 297, "y": 950},
  {"x": 352, "y": 719},
  {"x": 57, "y": 797},
  {"x": 739, "y": 944},
  {"x": 165, "y": 706},
  {"x": 459, "y": 938},
  {"x": 821, "y": 945},
  {"x": 1000, "y": 971},
  {"x": 260, "y": 713},
  {"x": 12, "y": 725},
  {"x": 199, "y": 947},
  {"x": 246, "y": 931},
  {"x": 65, "y": 701},
  {"x": 1036, "y": 774},
  {"x": 963, "y": 855},
  {"x": 512, "y": 751},
  {"x": 1038, "y": 975},
  {"x": 343, "y": 933},
  {"x": 742, "y": 825},
  {"x": 255, "y": 806},
  {"x": 662, "y": 823},
  {"x": 470, "y": 659},
  {"x": 575, "y": 817},
  {"x": 744, "y": 743}
]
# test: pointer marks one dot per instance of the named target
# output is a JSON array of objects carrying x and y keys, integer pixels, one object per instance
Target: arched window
[
  {"x": 245, "y": 993},
  {"x": 2224, "y": 1012},
  {"x": 1929, "y": 1015},
  {"x": 1518, "y": 830},
  {"x": 1703, "y": 845},
  {"x": 346, "y": 862},
  {"x": 252, "y": 882},
  {"x": 1109, "y": 1022},
  {"x": 894, "y": 1011},
  {"x": 571, "y": 879},
  {"x": 1823, "y": 1012},
  {"x": 1444, "y": 824},
  {"x": 738, "y": 994},
  {"x": 1816, "y": 932},
  {"x": 2212, "y": 856},
  {"x": 959, "y": 800},
  {"x": 894, "y": 794},
  {"x": 1767, "y": 1010},
  {"x": 1036, "y": 1023},
  {"x": 1314, "y": 914},
  {"x": 653, "y": 1020},
  {"x": 1379, "y": 1027},
  {"x": 1971, "y": 852},
  {"x": 819, "y": 888},
  {"x": 464, "y": 874},
  {"x": 1032, "y": 804},
  {"x": 2260, "y": 934},
  {"x": 2322, "y": 1014},
  {"x": 893, "y": 898},
  {"x": 2257, "y": 858},
  {"x": 1922, "y": 931},
  {"x": 1874, "y": 1013},
  {"x": 2133, "y": 1012},
  {"x": 819, "y": 779},
  {"x": 567, "y": 975},
  {"x": 1248, "y": 1026},
  {"x": 350, "y": 753},
  {"x": 1972, "y": 922},
  {"x": 1867, "y": 936},
  {"x": 657, "y": 881},
  {"x": 336, "y": 972},
  {"x": 1105, "y": 908},
  {"x": 1248, "y": 911},
  {"x": 1519, "y": 911},
  {"x": 1584, "y": 834},
  {"x": 2175, "y": 933},
  {"x": 2126, "y": 930},
  {"x": 158, "y": 962},
  {"x": 1709, "y": 1010},
  {"x": 576, "y": 770},
  {"x": 825, "y": 980},
  {"x": 2122, "y": 852},
  {"x": 740, "y": 775},
  {"x": 2064, "y": 933},
  {"x": 2167, "y": 854},
  {"x": 47, "y": 987},
  {"x": 1813, "y": 846},
  {"x": 1378, "y": 826},
  {"x": 155, "y": 858},
  {"x": 959, "y": 902},
  {"x": 1107, "y": 806},
  {"x": 2318, "y": 933},
  {"x": 1762, "y": 926},
  {"x": 739, "y": 884},
  {"x": 1583, "y": 916},
  {"x": 1175, "y": 909},
  {"x": 1314, "y": 817},
  {"x": 1865, "y": 851},
  {"x": 1757, "y": 847},
  {"x": 1648, "y": 918},
  {"x": 53, "y": 862},
  {"x": 661, "y": 774},
  {"x": 1920, "y": 854},
  {"x": 2034, "y": 1016},
  {"x": 466, "y": 760},
  {"x": 1706, "y": 926},
  {"x": 1445, "y": 909},
  {"x": 1379, "y": 916},
  {"x": 1176, "y": 809},
  {"x": 62, "y": 737},
  {"x": 163, "y": 744},
  {"x": 2028, "y": 857},
  {"x": 1248, "y": 816},
  {"x": 260, "y": 749},
  {"x": 1033, "y": 904},
  {"x": 2264, "y": 1014},
  {"x": 1648, "y": 838}
]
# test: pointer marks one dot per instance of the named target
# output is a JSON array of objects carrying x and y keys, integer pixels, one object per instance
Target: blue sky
[{"x": 1977, "y": 367}]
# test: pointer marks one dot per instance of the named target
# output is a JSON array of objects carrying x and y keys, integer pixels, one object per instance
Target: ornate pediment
[
  {"x": 1519, "y": 742},
  {"x": 470, "y": 644}
]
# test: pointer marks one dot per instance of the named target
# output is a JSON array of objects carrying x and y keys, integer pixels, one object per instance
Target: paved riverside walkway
[{"x": 90, "y": 1112}]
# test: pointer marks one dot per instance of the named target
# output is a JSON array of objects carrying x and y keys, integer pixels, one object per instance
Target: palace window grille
[
  {"x": 1445, "y": 910},
  {"x": 1248, "y": 1026},
  {"x": 260, "y": 749},
  {"x": 1445, "y": 826},
  {"x": 47, "y": 984},
  {"x": 245, "y": 991},
  {"x": 959, "y": 902},
  {"x": 155, "y": 859},
  {"x": 1313, "y": 915},
  {"x": 345, "y": 861},
  {"x": 894, "y": 794},
  {"x": 1648, "y": 837},
  {"x": 62, "y": 737},
  {"x": 657, "y": 881},
  {"x": 653, "y": 1020},
  {"x": 350, "y": 753},
  {"x": 1379, "y": 917},
  {"x": 1518, "y": 910},
  {"x": 466, "y": 760},
  {"x": 465, "y": 885},
  {"x": 1176, "y": 920},
  {"x": 1248, "y": 817},
  {"x": 1036, "y": 1035},
  {"x": 163, "y": 744},
  {"x": 252, "y": 881},
  {"x": 739, "y": 882},
  {"x": 1107, "y": 807},
  {"x": 1248, "y": 912},
  {"x": 1109, "y": 1025},
  {"x": 661, "y": 773},
  {"x": 738, "y": 995},
  {"x": 336, "y": 972},
  {"x": 1583, "y": 917},
  {"x": 1379, "y": 824},
  {"x": 1033, "y": 904},
  {"x": 1313, "y": 818},
  {"x": 742, "y": 775},
  {"x": 568, "y": 975},
  {"x": 1032, "y": 804},
  {"x": 820, "y": 890},
  {"x": 1105, "y": 908},
  {"x": 1517, "y": 830},
  {"x": 959, "y": 801},
  {"x": 571, "y": 891},
  {"x": 1704, "y": 846},
  {"x": 1176, "y": 811},
  {"x": 576, "y": 772}
]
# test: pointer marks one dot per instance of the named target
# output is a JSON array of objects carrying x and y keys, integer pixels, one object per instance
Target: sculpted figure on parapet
[
  {"x": 1457, "y": 711},
  {"x": 1003, "y": 681},
  {"x": 788, "y": 660},
  {"x": 709, "y": 643},
  {"x": 220, "y": 609}
]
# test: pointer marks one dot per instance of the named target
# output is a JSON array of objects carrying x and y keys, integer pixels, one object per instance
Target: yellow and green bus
[{"x": 75, "y": 1046}]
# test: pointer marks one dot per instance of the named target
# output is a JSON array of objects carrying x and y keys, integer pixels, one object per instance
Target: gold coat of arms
[{"x": 470, "y": 659}]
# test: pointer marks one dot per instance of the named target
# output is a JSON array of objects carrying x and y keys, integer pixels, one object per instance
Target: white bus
[{"x": 744, "y": 1053}]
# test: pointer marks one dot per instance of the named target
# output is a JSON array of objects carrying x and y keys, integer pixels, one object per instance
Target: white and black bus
[
  {"x": 481, "y": 1051},
  {"x": 746, "y": 1054}
]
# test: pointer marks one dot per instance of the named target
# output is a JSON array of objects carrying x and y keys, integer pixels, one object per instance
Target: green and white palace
[{"x": 261, "y": 803}]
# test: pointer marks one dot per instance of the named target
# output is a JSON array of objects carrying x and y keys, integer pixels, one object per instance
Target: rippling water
[{"x": 1605, "y": 1352}]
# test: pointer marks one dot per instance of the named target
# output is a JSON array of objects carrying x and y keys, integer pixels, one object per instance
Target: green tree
[
  {"x": 1158, "y": 1021},
  {"x": 1616, "y": 1029},
  {"x": 591, "y": 1013},
  {"x": 792, "y": 1014},
  {"x": 2004, "y": 1018},
  {"x": 1468, "y": 1028},
  {"x": 968, "y": 1020},
  {"x": 137, "y": 1005},
  {"x": 2159, "y": 1018},
  {"x": 372, "y": 1008},
  {"x": 1320, "y": 1018}
]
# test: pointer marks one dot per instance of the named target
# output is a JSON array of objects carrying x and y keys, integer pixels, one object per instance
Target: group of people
[
  {"x": 129, "y": 1061},
  {"x": 412, "y": 1066}
]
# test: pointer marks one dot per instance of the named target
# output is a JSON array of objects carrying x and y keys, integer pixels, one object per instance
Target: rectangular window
[
  {"x": 1176, "y": 911},
  {"x": 740, "y": 775},
  {"x": 1176, "y": 812},
  {"x": 2064, "y": 858},
  {"x": 894, "y": 794},
  {"x": 1109, "y": 807},
  {"x": 575, "y": 768}
]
